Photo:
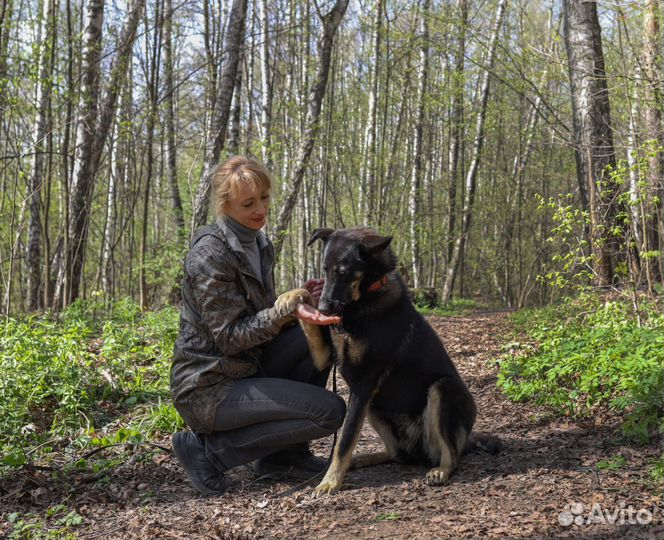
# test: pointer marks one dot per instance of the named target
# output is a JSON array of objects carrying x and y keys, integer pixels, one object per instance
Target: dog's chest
[{"x": 348, "y": 349}]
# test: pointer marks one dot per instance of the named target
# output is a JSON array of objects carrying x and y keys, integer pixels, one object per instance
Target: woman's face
[{"x": 249, "y": 207}]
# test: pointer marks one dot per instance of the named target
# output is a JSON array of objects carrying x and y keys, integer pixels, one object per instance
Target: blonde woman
[{"x": 242, "y": 377}]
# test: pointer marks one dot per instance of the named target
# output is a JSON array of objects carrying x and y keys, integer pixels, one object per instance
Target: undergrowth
[
  {"x": 91, "y": 377},
  {"x": 591, "y": 352}
]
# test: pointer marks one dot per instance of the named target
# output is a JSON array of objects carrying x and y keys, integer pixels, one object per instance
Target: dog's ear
[
  {"x": 374, "y": 244},
  {"x": 320, "y": 234}
]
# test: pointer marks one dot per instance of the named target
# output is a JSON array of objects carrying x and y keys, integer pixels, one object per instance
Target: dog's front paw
[
  {"x": 326, "y": 487},
  {"x": 288, "y": 301},
  {"x": 437, "y": 476}
]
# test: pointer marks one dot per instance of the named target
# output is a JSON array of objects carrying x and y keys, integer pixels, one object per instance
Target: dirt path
[{"x": 546, "y": 465}]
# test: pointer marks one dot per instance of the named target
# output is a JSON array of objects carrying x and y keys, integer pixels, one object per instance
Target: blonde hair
[{"x": 226, "y": 179}]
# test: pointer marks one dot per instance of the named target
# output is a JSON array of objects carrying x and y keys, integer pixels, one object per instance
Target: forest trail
[{"x": 546, "y": 464}]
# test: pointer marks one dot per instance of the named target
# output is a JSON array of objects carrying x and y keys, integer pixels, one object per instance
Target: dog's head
[{"x": 354, "y": 262}]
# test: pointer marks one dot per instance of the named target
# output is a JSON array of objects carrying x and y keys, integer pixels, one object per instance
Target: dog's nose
[{"x": 329, "y": 307}]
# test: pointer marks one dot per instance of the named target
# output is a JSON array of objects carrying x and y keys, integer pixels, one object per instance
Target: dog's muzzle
[{"x": 330, "y": 307}]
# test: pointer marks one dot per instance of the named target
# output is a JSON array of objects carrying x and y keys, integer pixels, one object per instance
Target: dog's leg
[
  {"x": 389, "y": 440},
  {"x": 445, "y": 434},
  {"x": 341, "y": 459},
  {"x": 321, "y": 352},
  {"x": 369, "y": 459}
]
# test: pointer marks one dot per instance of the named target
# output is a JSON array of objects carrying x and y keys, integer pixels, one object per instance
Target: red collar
[{"x": 377, "y": 285}]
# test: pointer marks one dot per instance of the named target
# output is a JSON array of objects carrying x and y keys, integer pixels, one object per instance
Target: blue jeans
[{"x": 286, "y": 404}]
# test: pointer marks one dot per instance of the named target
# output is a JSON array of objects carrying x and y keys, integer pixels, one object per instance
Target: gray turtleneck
[{"x": 249, "y": 240}]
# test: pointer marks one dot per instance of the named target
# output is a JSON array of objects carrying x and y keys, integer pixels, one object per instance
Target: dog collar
[{"x": 377, "y": 285}]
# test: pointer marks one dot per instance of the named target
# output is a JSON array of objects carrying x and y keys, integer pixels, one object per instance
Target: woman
[{"x": 242, "y": 377}]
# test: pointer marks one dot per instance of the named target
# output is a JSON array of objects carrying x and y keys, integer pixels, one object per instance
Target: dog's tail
[{"x": 480, "y": 441}]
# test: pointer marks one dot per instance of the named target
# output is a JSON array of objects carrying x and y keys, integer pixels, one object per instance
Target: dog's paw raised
[
  {"x": 288, "y": 301},
  {"x": 437, "y": 476},
  {"x": 326, "y": 487}
]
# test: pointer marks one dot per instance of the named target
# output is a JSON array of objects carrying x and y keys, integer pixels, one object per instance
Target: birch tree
[
  {"x": 91, "y": 135},
  {"x": 330, "y": 22},
  {"x": 593, "y": 138},
  {"x": 43, "y": 99},
  {"x": 232, "y": 47},
  {"x": 471, "y": 177},
  {"x": 416, "y": 173}
]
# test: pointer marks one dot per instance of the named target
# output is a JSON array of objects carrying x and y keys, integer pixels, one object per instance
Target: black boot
[
  {"x": 296, "y": 463},
  {"x": 203, "y": 475}
]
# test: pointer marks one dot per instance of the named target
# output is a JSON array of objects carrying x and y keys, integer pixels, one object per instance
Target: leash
[{"x": 304, "y": 483}]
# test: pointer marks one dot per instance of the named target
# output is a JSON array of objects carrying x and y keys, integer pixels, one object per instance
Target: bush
[
  {"x": 587, "y": 353},
  {"x": 70, "y": 377}
]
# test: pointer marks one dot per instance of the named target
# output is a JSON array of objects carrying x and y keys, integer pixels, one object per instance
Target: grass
[
  {"x": 590, "y": 352},
  {"x": 93, "y": 376}
]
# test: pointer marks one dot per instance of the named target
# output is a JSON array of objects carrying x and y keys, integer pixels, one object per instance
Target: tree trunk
[
  {"x": 368, "y": 194},
  {"x": 91, "y": 136},
  {"x": 266, "y": 86},
  {"x": 152, "y": 84},
  {"x": 232, "y": 48},
  {"x": 81, "y": 189},
  {"x": 652, "y": 69},
  {"x": 43, "y": 98},
  {"x": 471, "y": 177},
  {"x": 416, "y": 173},
  {"x": 6, "y": 9},
  {"x": 593, "y": 138},
  {"x": 457, "y": 122},
  {"x": 331, "y": 22},
  {"x": 169, "y": 123}
]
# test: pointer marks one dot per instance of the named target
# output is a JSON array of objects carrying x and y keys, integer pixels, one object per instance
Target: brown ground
[{"x": 546, "y": 464}]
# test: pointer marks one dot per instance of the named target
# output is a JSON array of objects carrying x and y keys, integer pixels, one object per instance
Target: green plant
[
  {"x": 64, "y": 379},
  {"x": 590, "y": 352}
]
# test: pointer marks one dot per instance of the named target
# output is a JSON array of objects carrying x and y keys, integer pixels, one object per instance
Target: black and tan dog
[{"x": 396, "y": 367}]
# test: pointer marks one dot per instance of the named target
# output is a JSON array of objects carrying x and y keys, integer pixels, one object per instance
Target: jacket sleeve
[{"x": 224, "y": 307}]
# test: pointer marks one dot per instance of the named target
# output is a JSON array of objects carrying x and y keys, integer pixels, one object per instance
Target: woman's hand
[
  {"x": 315, "y": 287},
  {"x": 311, "y": 315}
]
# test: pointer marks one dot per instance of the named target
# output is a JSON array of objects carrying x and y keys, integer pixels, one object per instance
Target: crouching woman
[{"x": 242, "y": 377}]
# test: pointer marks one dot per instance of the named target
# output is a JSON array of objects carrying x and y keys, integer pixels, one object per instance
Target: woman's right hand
[{"x": 309, "y": 314}]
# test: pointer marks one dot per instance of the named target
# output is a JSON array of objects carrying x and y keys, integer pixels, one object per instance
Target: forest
[
  {"x": 513, "y": 149},
  {"x": 469, "y": 131}
]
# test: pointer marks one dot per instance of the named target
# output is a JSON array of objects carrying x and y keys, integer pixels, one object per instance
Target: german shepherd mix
[{"x": 396, "y": 368}]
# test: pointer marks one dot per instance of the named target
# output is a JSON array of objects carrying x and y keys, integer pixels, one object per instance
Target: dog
[{"x": 398, "y": 371}]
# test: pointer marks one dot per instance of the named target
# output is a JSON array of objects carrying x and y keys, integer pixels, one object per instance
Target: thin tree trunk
[
  {"x": 232, "y": 47},
  {"x": 416, "y": 173},
  {"x": 91, "y": 137},
  {"x": 236, "y": 109},
  {"x": 457, "y": 122},
  {"x": 6, "y": 10},
  {"x": 43, "y": 97},
  {"x": 152, "y": 85},
  {"x": 592, "y": 131},
  {"x": 652, "y": 69},
  {"x": 471, "y": 177},
  {"x": 81, "y": 189},
  {"x": 368, "y": 194},
  {"x": 266, "y": 86},
  {"x": 169, "y": 123},
  {"x": 331, "y": 22}
]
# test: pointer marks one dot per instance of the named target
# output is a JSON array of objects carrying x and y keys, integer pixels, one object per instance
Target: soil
[{"x": 544, "y": 483}]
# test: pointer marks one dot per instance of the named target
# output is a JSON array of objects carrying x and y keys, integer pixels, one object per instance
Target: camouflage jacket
[{"x": 227, "y": 313}]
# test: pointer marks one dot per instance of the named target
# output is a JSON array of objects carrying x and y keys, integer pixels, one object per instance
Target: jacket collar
[{"x": 232, "y": 238}]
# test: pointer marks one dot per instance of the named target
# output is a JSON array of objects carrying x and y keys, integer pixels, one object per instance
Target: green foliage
[
  {"x": 456, "y": 307},
  {"x": 612, "y": 464},
  {"x": 572, "y": 262},
  {"x": 58, "y": 523},
  {"x": 65, "y": 379},
  {"x": 586, "y": 353}
]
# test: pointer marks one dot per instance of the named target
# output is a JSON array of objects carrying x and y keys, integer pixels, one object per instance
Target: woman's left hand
[{"x": 315, "y": 287}]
